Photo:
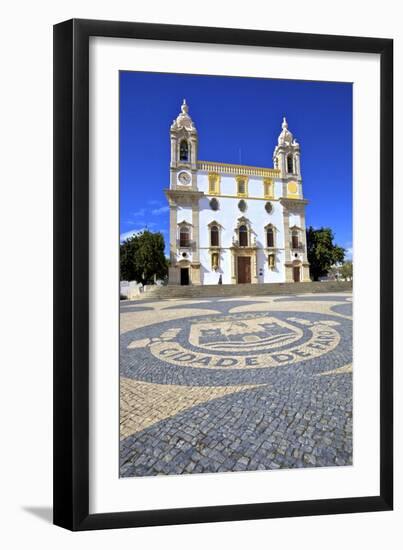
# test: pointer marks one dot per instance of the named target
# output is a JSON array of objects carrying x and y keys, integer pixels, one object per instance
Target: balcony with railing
[
  {"x": 244, "y": 241},
  {"x": 237, "y": 169},
  {"x": 185, "y": 243},
  {"x": 297, "y": 245}
]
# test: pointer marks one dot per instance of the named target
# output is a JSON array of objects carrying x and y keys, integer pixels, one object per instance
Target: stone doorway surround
[
  {"x": 248, "y": 252},
  {"x": 244, "y": 269},
  {"x": 304, "y": 271},
  {"x": 185, "y": 276},
  {"x": 194, "y": 272}
]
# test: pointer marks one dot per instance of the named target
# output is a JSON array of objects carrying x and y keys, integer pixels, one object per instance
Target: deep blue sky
[{"x": 238, "y": 121}]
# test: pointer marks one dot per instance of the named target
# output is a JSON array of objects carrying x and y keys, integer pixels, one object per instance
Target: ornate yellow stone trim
[
  {"x": 237, "y": 196},
  {"x": 292, "y": 189},
  {"x": 242, "y": 183},
  {"x": 214, "y": 183},
  {"x": 268, "y": 188},
  {"x": 237, "y": 169}
]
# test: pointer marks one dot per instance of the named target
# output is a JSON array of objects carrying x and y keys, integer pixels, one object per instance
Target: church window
[
  {"x": 294, "y": 239},
  {"x": 241, "y": 186},
  {"x": 214, "y": 204},
  {"x": 184, "y": 150},
  {"x": 290, "y": 164},
  {"x": 268, "y": 188},
  {"x": 243, "y": 235},
  {"x": 184, "y": 236},
  {"x": 213, "y": 184},
  {"x": 270, "y": 237},
  {"x": 214, "y": 236},
  {"x": 242, "y": 205}
]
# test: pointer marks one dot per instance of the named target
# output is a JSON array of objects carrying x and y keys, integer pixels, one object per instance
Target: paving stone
[{"x": 193, "y": 420}]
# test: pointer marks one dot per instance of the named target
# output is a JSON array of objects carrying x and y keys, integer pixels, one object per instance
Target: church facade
[{"x": 233, "y": 223}]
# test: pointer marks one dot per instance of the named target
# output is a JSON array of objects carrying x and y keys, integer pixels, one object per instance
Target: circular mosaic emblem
[
  {"x": 269, "y": 207},
  {"x": 242, "y": 341}
]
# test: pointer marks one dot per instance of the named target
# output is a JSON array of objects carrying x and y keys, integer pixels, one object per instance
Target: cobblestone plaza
[{"x": 235, "y": 384}]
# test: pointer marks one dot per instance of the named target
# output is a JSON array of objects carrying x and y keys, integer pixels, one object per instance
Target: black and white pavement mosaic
[{"x": 218, "y": 385}]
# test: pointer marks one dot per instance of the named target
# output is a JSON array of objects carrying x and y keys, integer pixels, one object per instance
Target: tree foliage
[
  {"x": 322, "y": 252},
  {"x": 346, "y": 270},
  {"x": 142, "y": 258}
]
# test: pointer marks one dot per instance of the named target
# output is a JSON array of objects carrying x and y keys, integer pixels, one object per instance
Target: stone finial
[
  {"x": 285, "y": 137},
  {"x": 184, "y": 107},
  {"x": 183, "y": 120}
]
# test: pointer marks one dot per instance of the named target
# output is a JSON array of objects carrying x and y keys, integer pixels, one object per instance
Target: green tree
[
  {"x": 346, "y": 270},
  {"x": 322, "y": 252},
  {"x": 142, "y": 257}
]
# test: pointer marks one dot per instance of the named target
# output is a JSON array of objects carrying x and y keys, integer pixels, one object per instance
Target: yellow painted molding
[
  {"x": 216, "y": 178},
  {"x": 237, "y": 169},
  {"x": 245, "y": 181},
  {"x": 237, "y": 197},
  {"x": 268, "y": 188},
  {"x": 292, "y": 189}
]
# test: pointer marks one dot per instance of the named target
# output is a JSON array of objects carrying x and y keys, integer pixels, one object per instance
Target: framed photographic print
[{"x": 222, "y": 198}]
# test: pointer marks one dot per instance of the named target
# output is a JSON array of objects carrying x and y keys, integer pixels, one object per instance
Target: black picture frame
[{"x": 71, "y": 274}]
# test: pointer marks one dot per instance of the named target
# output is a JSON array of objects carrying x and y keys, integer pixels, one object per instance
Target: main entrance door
[
  {"x": 184, "y": 275},
  {"x": 296, "y": 273},
  {"x": 244, "y": 270}
]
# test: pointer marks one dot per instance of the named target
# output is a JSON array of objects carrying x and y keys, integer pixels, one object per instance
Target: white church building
[{"x": 233, "y": 223}]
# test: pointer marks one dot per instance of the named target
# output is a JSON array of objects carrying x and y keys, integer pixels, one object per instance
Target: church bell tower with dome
[
  {"x": 183, "y": 197},
  {"x": 286, "y": 158}
]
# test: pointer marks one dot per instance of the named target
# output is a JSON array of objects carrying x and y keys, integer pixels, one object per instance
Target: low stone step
[{"x": 265, "y": 289}]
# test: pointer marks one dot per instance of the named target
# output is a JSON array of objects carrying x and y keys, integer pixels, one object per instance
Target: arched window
[
  {"x": 214, "y": 235},
  {"x": 270, "y": 237},
  {"x": 184, "y": 236},
  {"x": 290, "y": 164},
  {"x": 294, "y": 238},
  {"x": 184, "y": 150},
  {"x": 243, "y": 235}
]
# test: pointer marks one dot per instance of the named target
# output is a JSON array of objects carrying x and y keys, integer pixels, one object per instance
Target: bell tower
[
  {"x": 286, "y": 157},
  {"x": 184, "y": 144},
  {"x": 183, "y": 199}
]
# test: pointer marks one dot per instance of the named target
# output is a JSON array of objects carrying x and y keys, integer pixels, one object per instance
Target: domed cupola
[
  {"x": 286, "y": 137},
  {"x": 286, "y": 153},
  {"x": 183, "y": 120}
]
